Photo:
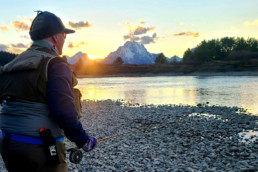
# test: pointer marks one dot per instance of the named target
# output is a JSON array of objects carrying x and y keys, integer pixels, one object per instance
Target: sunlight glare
[{"x": 93, "y": 57}]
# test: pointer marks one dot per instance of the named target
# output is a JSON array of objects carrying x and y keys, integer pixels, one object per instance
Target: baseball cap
[{"x": 47, "y": 24}]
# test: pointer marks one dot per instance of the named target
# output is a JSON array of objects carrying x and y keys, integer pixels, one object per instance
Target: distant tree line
[
  {"x": 6, "y": 57},
  {"x": 227, "y": 48},
  {"x": 161, "y": 59},
  {"x": 118, "y": 61}
]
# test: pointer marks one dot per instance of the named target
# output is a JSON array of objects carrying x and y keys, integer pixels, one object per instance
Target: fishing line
[{"x": 76, "y": 154}]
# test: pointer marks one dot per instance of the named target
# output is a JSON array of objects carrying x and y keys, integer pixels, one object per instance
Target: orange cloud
[
  {"x": 20, "y": 26},
  {"x": 187, "y": 34},
  {"x": 26, "y": 19},
  {"x": 4, "y": 28},
  {"x": 79, "y": 25}
]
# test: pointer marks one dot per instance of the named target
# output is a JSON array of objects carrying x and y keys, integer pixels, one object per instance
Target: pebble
[{"x": 151, "y": 143}]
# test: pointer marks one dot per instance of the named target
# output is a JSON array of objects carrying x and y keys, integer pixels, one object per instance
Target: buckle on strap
[{"x": 28, "y": 139}]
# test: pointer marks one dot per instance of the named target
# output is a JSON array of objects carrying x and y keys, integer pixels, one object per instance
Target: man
[{"x": 38, "y": 105}]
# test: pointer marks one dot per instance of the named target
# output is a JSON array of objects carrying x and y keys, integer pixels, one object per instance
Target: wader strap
[{"x": 25, "y": 139}]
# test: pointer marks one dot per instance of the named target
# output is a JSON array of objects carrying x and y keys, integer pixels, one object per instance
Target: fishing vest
[{"x": 25, "y": 77}]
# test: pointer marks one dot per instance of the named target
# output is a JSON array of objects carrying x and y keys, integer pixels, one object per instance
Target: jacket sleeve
[{"x": 61, "y": 102}]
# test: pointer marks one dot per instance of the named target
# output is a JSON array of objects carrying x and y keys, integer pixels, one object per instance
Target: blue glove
[{"x": 90, "y": 145}]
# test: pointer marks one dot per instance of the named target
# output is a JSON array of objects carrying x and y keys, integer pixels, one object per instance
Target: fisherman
[{"x": 38, "y": 104}]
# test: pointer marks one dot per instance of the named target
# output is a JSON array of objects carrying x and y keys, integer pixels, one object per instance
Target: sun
[{"x": 93, "y": 57}]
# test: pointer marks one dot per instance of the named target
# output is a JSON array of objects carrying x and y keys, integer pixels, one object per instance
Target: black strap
[{"x": 6, "y": 139}]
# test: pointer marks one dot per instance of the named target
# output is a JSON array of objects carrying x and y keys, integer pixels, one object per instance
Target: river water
[{"x": 241, "y": 91}]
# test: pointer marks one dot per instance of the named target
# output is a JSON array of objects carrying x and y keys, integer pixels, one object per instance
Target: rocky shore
[{"x": 168, "y": 138}]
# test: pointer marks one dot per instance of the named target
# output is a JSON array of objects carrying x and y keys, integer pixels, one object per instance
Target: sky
[{"x": 163, "y": 26}]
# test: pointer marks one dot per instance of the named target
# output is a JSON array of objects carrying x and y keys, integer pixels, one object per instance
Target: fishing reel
[{"x": 75, "y": 155}]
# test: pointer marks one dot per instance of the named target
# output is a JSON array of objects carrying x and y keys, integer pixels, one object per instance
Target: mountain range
[
  {"x": 80, "y": 55},
  {"x": 131, "y": 53}
]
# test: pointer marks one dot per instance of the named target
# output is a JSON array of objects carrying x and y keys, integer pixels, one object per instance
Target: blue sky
[{"x": 168, "y": 26}]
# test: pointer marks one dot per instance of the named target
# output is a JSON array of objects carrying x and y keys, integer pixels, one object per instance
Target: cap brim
[{"x": 67, "y": 31}]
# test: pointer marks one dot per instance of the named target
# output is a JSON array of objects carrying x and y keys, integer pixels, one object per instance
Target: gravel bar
[{"x": 167, "y": 138}]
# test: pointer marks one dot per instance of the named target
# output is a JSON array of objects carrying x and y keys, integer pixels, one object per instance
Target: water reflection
[
  {"x": 135, "y": 96},
  {"x": 225, "y": 91}
]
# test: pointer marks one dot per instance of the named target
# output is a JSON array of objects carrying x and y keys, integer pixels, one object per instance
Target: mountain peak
[
  {"x": 79, "y": 55},
  {"x": 131, "y": 43},
  {"x": 131, "y": 53}
]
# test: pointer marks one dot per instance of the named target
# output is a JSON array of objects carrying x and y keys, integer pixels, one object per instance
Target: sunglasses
[{"x": 64, "y": 34}]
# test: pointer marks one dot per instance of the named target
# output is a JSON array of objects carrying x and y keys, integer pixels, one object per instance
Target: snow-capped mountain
[
  {"x": 131, "y": 53},
  {"x": 83, "y": 56}
]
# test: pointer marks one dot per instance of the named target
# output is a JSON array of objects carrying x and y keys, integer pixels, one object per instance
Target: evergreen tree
[
  {"x": 187, "y": 55},
  {"x": 220, "y": 49},
  {"x": 6, "y": 57},
  {"x": 118, "y": 61},
  {"x": 161, "y": 59}
]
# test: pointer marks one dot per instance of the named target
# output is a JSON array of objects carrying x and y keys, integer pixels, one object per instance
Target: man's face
[{"x": 60, "y": 42}]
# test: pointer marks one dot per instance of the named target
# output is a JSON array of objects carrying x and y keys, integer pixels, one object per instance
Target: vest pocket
[{"x": 77, "y": 99}]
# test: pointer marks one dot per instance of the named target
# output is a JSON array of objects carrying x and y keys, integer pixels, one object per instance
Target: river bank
[
  {"x": 243, "y": 73},
  {"x": 168, "y": 138},
  {"x": 217, "y": 68}
]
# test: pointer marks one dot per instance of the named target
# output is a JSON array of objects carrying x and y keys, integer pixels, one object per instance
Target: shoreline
[
  {"x": 245, "y": 73},
  {"x": 167, "y": 138}
]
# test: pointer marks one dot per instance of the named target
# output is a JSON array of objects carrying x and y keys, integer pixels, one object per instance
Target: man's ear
[{"x": 54, "y": 38}]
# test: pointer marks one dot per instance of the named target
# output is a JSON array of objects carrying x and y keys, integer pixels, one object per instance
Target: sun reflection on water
[{"x": 172, "y": 90}]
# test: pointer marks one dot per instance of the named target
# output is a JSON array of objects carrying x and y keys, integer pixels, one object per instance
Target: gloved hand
[{"x": 90, "y": 145}]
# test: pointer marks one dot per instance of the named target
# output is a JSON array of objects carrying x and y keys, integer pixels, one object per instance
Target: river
[{"x": 241, "y": 91}]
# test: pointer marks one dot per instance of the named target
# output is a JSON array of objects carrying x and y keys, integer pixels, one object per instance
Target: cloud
[
  {"x": 72, "y": 45},
  {"x": 25, "y": 36},
  {"x": 148, "y": 39},
  {"x": 4, "y": 28},
  {"x": 187, "y": 34},
  {"x": 251, "y": 23},
  {"x": 135, "y": 29},
  {"x": 143, "y": 40},
  {"x": 19, "y": 45},
  {"x": 20, "y": 26},
  {"x": 3, "y": 47},
  {"x": 141, "y": 30},
  {"x": 79, "y": 25},
  {"x": 24, "y": 18},
  {"x": 142, "y": 21},
  {"x": 138, "y": 33},
  {"x": 14, "y": 48},
  {"x": 18, "y": 48},
  {"x": 131, "y": 37}
]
